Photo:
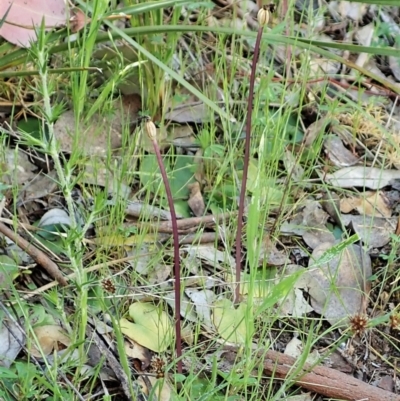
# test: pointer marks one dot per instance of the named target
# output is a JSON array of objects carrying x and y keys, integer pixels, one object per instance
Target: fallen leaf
[
  {"x": 187, "y": 308},
  {"x": 136, "y": 351},
  {"x": 39, "y": 187},
  {"x": 24, "y": 16},
  {"x": 316, "y": 129},
  {"x": 375, "y": 232},
  {"x": 49, "y": 338},
  {"x": 360, "y": 176},
  {"x": 152, "y": 327},
  {"x": 230, "y": 322},
  {"x": 338, "y": 288},
  {"x": 202, "y": 301},
  {"x": 295, "y": 304},
  {"x": 367, "y": 204},
  {"x": 269, "y": 254},
  {"x": 16, "y": 168},
  {"x": 184, "y": 107},
  {"x": 96, "y": 171},
  {"x": 55, "y": 217},
  {"x": 11, "y": 342},
  {"x": 294, "y": 348},
  {"x": 213, "y": 257},
  {"x": 161, "y": 390},
  {"x": 196, "y": 201},
  {"x": 78, "y": 20},
  {"x": 310, "y": 224},
  {"x": 95, "y": 138},
  {"x": 355, "y": 11},
  {"x": 337, "y": 153}
]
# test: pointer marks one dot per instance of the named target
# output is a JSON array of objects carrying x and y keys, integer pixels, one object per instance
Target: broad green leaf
[
  {"x": 152, "y": 327},
  {"x": 181, "y": 176},
  {"x": 230, "y": 322}
]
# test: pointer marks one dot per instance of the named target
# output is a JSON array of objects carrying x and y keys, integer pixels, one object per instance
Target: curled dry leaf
[
  {"x": 295, "y": 304},
  {"x": 310, "y": 224},
  {"x": 24, "y": 16},
  {"x": 196, "y": 201},
  {"x": 187, "y": 308}
]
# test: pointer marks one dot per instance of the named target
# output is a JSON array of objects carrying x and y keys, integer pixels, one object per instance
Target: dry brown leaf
[
  {"x": 50, "y": 338},
  {"x": 78, "y": 20},
  {"x": 369, "y": 204},
  {"x": 196, "y": 201},
  {"x": 161, "y": 388},
  {"x": 270, "y": 254},
  {"x": 136, "y": 351}
]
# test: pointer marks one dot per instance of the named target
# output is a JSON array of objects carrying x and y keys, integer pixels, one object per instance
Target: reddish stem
[
  {"x": 177, "y": 268},
  {"x": 246, "y": 164}
]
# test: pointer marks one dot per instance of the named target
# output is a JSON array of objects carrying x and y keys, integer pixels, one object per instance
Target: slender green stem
[{"x": 74, "y": 251}]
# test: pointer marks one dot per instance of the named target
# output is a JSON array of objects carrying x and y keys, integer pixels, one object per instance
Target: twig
[
  {"x": 322, "y": 380},
  {"x": 113, "y": 362},
  {"x": 40, "y": 257},
  {"x": 186, "y": 224}
]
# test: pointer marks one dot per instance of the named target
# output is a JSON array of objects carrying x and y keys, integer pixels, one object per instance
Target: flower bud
[
  {"x": 263, "y": 16},
  {"x": 151, "y": 130}
]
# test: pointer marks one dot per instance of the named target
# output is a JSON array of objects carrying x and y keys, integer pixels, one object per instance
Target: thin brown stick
[
  {"x": 186, "y": 224},
  {"x": 323, "y": 380},
  {"x": 40, "y": 257}
]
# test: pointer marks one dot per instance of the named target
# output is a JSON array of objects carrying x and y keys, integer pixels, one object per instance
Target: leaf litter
[{"x": 353, "y": 152}]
